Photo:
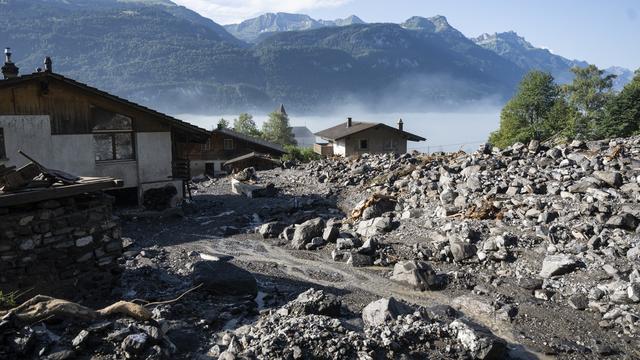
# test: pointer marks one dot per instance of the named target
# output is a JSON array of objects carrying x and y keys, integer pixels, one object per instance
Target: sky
[{"x": 606, "y": 33}]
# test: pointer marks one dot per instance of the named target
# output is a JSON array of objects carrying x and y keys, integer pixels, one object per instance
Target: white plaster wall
[
  {"x": 376, "y": 139},
  {"x": 198, "y": 167},
  {"x": 339, "y": 148},
  {"x": 153, "y": 151},
  {"x": 74, "y": 153},
  {"x": 32, "y": 134}
]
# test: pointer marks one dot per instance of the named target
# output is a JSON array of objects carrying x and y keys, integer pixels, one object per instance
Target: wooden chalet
[
  {"x": 224, "y": 145},
  {"x": 76, "y": 128}
]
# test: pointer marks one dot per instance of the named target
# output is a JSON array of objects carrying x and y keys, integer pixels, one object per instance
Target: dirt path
[{"x": 304, "y": 268}]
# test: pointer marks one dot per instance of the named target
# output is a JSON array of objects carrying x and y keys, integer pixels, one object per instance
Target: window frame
[
  {"x": 228, "y": 148},
  {"x": 114, "y": 146},
  {"x": 113, "y": 133},
  {"x": 390, "y": 144},
  {"x": 3, "y": 145},
  {"x": 360, "y": 147}
]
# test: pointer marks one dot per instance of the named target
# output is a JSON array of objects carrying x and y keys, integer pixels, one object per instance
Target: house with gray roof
[
  {"x": 304, "y": 137},
  {"x": 355, "y": 138}
]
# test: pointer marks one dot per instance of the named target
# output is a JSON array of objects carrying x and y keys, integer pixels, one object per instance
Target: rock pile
[
  {"x": 535, "y": 213},
  {"x": 392, "y": 330}
]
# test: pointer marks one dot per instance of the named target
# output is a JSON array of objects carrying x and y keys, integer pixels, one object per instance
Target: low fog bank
[{"x": 464, "y": 129}]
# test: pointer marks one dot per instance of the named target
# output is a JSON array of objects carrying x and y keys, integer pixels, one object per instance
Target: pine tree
[
  {"x": 223, "y": 124},
  {"x": 623, "y": 112},
  {"x": 277, "y": 129},
  {"x": 527, "y": 115},
  {"x": 589, "y": 94}
]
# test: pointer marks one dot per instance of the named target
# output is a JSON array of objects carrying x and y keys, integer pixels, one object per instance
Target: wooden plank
[{"x": 56, "y": 192}]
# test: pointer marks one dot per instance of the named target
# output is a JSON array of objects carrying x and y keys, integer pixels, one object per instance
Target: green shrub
[{"x": 303, "y": 155}]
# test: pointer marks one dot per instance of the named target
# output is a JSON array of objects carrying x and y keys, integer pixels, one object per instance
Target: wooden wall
[
  {"x": 68, "y": 106},
  {"x": 217, "y": 151}
]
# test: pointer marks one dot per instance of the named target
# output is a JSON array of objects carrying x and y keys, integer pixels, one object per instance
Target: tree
[
  {"x": 589, "y": 94},
  {"x": 244, "y": 124},
  {"x": 623, "y": 112},
  {"x": 527, "y": 115},
  {"x": 223, "y": 123},
  {"x": 277, "y": 129}
]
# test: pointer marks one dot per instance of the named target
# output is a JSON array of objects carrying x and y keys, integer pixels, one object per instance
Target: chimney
[
  {"x": 349, "y": 122},
  {"x": 9, "y": 69},
  {"x": 48, "y": 65},
  {"x": 400, "y": 125}
]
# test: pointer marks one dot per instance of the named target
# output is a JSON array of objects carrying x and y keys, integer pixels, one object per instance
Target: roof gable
[
  {"x": 251, "y": 139},
  {"x": 180, "y": 125}
]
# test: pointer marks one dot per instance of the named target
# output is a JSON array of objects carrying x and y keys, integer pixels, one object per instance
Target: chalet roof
[
  {"x": 251, "y": 139},
  {"x": 302, "y": 131},
  {"x": 341, "y": 131},
  {"x": 249, "y": 156},
  {"x": 183, "y": 126}
]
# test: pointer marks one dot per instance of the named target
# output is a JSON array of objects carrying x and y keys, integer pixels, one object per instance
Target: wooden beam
[{"x": 85, "y": 185}]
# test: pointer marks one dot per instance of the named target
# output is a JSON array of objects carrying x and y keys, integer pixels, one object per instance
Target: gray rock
[
  {"x": 612, "y": 178},
  {"x": 347, "y": 243},
  {"x": 633, "y": 292},
  {"x": 579, "y": 301},
  {"x": 417, "y": 274},
  {"x": 223, "y": 278},
  {"x": 369, "y": 228},
  {"x": 462, "y": 251},
  {"x": 314, "y": 302},
  {"x": 480, "y": 342},
  {"x": 623, "y": 221},
  {"x": 271, "y": 229},
  {"x": 306, "y": 231},
  {"x": 359, "y": 260},
  {"x": 369, "y": 247},
  {"x": 134, "y": 344},
  {"x": 379, "y": 312},
  {"x": 330, "y": 234},
  {"x": 560, "y": 264}
]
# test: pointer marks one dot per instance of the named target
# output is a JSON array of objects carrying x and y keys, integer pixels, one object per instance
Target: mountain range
[
  {"x": 169, "y": 57},
  {"x": 253, "y": 30}
]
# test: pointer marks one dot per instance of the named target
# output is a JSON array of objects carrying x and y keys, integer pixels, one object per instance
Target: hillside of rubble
[{"x": 528, "y": 252}]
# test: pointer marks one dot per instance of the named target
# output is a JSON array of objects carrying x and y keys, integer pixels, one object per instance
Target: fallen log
[{"x": 43, "y": 307}]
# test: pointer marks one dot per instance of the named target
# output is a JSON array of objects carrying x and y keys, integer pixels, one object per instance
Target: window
[
  {"x": 390, "y": 144},
  {"x": 206, "y": 146},
  {"x": 228, "y": 144},
  {"x": 3, "y": 151},
  {"x": 364, "y": 144},
  {"x": 112, "y": 136}
]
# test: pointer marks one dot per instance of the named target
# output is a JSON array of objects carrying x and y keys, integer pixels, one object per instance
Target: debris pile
[
  {"x": 565, "y": 217},
  {"x": 391, "y": 330}
]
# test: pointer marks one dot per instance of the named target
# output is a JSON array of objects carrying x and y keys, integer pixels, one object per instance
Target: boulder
[
  {"x": 359, "y": 260},
  {"x": 560, "y": 264},
  {"x": 369, "y": 228},
  {"x": 271, "y": 229},
  {"x": 417, "y": 274},
  {"x": 222, "y": 278},
  {"x": 330, "y": 234},
  {"x": 306, "y": 231},
  {"x": 612, "y": 178},
  {"x": 480, "y": 342},
  {"x": 379, "y": 312},
  {"x": 462, "y": 251}
]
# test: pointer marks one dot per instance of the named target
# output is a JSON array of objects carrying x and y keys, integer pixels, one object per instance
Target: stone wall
[{"x": 65, "y": 248}]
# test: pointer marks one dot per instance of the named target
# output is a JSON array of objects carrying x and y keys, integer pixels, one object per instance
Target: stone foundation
[{"x": 63, "y": 248}]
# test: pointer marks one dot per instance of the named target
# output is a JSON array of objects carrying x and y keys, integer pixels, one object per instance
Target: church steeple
[{"x": 281, "y": 110}]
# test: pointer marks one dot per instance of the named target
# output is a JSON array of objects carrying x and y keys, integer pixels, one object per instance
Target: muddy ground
[{"x": 219, "y": 222}]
